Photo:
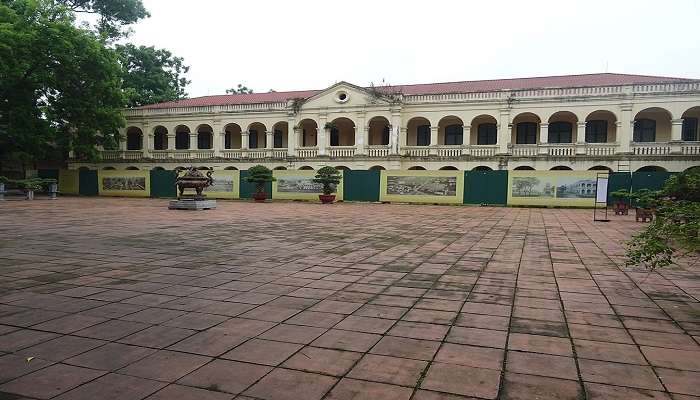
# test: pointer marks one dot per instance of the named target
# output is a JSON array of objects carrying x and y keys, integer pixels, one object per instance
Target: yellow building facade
[{"x": 579, "y": 122}]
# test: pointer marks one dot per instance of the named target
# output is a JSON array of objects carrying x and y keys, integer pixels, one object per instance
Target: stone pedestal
[{"x": 192, "y": 204}]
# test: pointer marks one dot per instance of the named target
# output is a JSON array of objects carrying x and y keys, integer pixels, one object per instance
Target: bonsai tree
[
  {"x": 259, "y": 175},
  {"x": 329, "y": 177},
  {"x": 620, "y": 195},
  {"x": 675, "y": 232},
  {"x": 645, "y": 198}
]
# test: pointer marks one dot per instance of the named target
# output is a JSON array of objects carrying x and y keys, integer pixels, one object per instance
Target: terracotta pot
[
  {"x": 644, "y": 214},
  {"x": 326, "y": 198},
  {"x": 260, "y": 197},
  {"x": 621, "y": 208}
]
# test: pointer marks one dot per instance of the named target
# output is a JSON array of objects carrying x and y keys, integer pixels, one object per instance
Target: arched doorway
[
  {"x": 449, "y": 168},
  {"x": 482, "y": 168},
  {"x": 418, "y": 132},
  {"x": 257, "y": 136},
  {"x": 379, "y": 131},
  {"x": 306, "y": 168},
  {"x": 451, "y": 131},
  {"x": 182, "y": 137},
  {"x": 652, "y": 125},
  {"x": 160, "y": 138},
  {"x": 307, "y": 136},
  {"x": 342, "y": 132},
  {"x": 691, "y": 127},
  {"x": 205, "y": 137},
  {"x": 526, "y": 127},
  {"x": 601, "y": 127},
  {"x": 280, "y": 133},
  {"x": 417, "y": 168},
  {"x": 232, "y": 136},
  {"x": 484, "y": 130},
  {"x": 651, "y": 168},
  {"x": 377, "y": 168},
  {"x": 560, "y": 168},
  {"x": 134, "y": 138},
  {"x": 561, "y": 128}
]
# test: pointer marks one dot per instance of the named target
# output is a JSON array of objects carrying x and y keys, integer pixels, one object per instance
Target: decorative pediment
[{"x": 343, "y": 94}]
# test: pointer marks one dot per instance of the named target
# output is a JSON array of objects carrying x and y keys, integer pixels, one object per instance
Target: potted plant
[
  {"x": 645, "y": 202},
  {"x": 259, "y": 175},
  {"x": 30, "y": 186},
  {"x": 621, "y": 201},
  {"x": 329, "y": 177}
]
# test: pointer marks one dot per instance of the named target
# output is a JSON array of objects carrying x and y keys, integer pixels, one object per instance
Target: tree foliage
[
  {"x": 259, "y": 175},
  {"x": 151, "y": 75},
  {"x": 675, "y": 232},
  {"x": 240, "y": 89},
  {"x": 63, "y": 86},
  {"x": 329, "y": 177}
]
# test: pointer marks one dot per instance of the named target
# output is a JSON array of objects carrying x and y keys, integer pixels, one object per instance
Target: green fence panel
[
  {"x": 87, "y": 183},
  {"x": 653, "y": 180},
  {"x": 618, "y": 181},
  {"x": 247, "y": 189},
  {"x": 163, "y": 183},
  {"x": 485, "y": 187},
  {"x": 48, "y": 174},
  {"x": 361, "y": 185}
]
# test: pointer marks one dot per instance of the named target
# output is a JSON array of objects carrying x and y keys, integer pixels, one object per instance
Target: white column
[
  {"x": 402, "y": 140},
  {"x": 466, "y": 135},
  {"x": 581, "y": 137},
  {"x": 269, "y": 142},
  {"x": 321, "y": 132},
  {"x": 244, "y": 143},
  {"x": 433, "y": 139},
  {"x": 676, "y": 136},
  {"x": 361, "y": 134},
  {"x": 292, "y": 140},
  {"x": 544, "y": 138},
  {"x": 171, "y": 141},
  {"x": 148, "y": 145},
  {"x": 394, "y": 136},
  {"x": 503, "y": 130},
  {"x": 625, "y": 128}
]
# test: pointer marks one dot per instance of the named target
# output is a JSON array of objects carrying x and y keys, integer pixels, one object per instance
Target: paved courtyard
[{"x": 123, "y": 299}]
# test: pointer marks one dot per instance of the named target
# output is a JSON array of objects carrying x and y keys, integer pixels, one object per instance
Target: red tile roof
[{"x": 585, "y": 80}]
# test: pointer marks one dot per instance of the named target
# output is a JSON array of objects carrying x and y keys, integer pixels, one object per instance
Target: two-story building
[{"x": 578, "y": 122}]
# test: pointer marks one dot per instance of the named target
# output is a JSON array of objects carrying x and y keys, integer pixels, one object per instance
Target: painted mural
[
  {"x": 124, "y": 183},
  {"x": 226, "y": 185},
  {"x": 552, "y": 188},
  {"x": 299, "y": 185},
  {"x": 422, "y": 186}
]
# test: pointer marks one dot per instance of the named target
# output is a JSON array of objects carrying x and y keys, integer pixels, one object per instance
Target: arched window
[
  {"x": 423, "y": 135},
  {"x": 227, "y": 139},
  {"x": 526, "y": 133},
  {"x": 690, "y": 129},
  {"x": 335, "y": 137},
  {"x": 182, "y": 140},
  {"x": 204, "y": 140},
  {"x": 559, "y": 132},
  {"x": 253, "y": 139},
  {"x": 645, "y": 130},
  {"x": 160, "y": 141},
  {"x": 597, "y": 131},
  {"x": 134, "y": 139},
  {"x": 277, "y": 138},
  {"x": 486, "y": 134},
  {"x": 454, "y": 134},
  {"x": 385, "y": 135}
]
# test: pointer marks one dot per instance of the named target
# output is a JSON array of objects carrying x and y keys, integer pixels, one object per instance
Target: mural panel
[
  {"x": 552, "y": 188},
  {"x": 299, "y": 185},
  {"x": 422, "y": 186},
  {"x": 124, "y": 183},
  {"x": 226, "y": 185}
]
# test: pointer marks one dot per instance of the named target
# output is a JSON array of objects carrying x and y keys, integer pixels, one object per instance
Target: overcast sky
[{"x": 297, "y": 45}]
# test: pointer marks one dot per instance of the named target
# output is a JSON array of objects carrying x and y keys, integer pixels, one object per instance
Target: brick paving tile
[
  {"x": 596, "y": 391},
  {"x": 542, "y": 365},
  {"x": 529, "y": 387},
  {"x": 110, "y": 357},
  {"x": 351, "y": 389},
  {"x": 462, "y": 380},
  {"x": 635, "y": 376},
  {"x": 325, "y": 305},
  {"x": 406, "y": 347},
  {"x": 346, "y": 340},
  {"x": 263, "y": 352},
  {"x": 477, "y": 337},
  {"x": 471, "y": 356},
  {"x": 13, "y": 366},
  {"x": 157, "y": 336},
  {"x": 616, "y": 352},
  {"x": 114, "y": 387},
  {"x": 165, "y": 365},
  {"x": 286, "y": 384},
  {"x": 397, "y": 371},
  {"x": 61, "y": 348},
  {"x": 226, "y": 376},
  {"x": 682, "y": 382},
  {"x": 326, "y": 361},
  {"x": 180, "y": 392},
  {"x": 50, "y": 382}
]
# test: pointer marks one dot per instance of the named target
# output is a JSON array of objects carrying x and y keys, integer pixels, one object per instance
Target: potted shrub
[
  {"x": 621, "y": 201},
  {"x": 329, "y": 177},
  {"x": 645, "y": 202},
  {"x": 30, "y": 186},
  {"x": 259, "y": 175}
]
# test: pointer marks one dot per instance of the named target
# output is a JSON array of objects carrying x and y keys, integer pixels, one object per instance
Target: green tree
[
  {"x": 329, "y": 177},
  {"x": 112, "y": 15},
  {"x": 60, "y": 87},
  {"x": 240, "y": 89},
  {"x": 675, "y": 231},
  {"x": 151, "y": 75}
]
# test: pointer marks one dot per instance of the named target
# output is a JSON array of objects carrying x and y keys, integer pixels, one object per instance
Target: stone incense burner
[{"x": 192, "y": 178}]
